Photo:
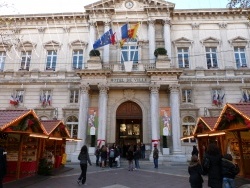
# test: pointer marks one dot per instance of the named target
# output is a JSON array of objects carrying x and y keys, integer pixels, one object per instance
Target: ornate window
[
  {"x": 183, "y": 57},
  {"x": 186, "y": 95},
  {"x": 188, "y": 126},
  {"x": 52, "y": 47},
  {"x": 72, "y": 126},
  {"x": 217, "y": 97},
  {"x": 211, "y": 56},
  {"x": 211, "y": 46},
  {"x": 46, "y": 98},
  {"x": 2, "y": 59},
  {"x": 77, "y": 59},
  {"x": 51, "y": 60},
  {"x": 129, "y": 51},
  {"x": 239, "y": 44},
  {"x": 25, "y": 60},
  {"x": 240, "y": 57},
  {"x": 245, "y": 95},
  {"x": 74, "y": 96},
  {"x": 17, "y": 97}
]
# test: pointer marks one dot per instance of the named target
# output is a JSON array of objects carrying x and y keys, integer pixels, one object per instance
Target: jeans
[
  {"x": 97, "y": 160},
  {"x": 143, "y": 154},
  {"x": 228, "y": 183},
  {"x": 82, "y": 177},
  {"x": 130, "y": 165},
  {"x": 156, "y": 162},
  {"x": 137, "y": 163}
]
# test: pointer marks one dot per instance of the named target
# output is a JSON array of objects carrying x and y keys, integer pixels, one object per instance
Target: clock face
[{"x": 129, "y": 4}]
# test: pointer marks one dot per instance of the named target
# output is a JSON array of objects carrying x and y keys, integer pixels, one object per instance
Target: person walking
[
  {"x": 212, "y": 164},
  {"x": 229, "y": 171},
  {"x": 83, "y": 157},
  {"x": 143, "y": 149},
  {"x": 137, "y": 155},
  {"x": 118, "y": 156},
  {"x": 3, "y": 165},
  {"x": 97, "y": 155},
  {"x": 104, "y": 154},
  {"x": 155, "y": 155},
  {"x": 195, "y": 151},
  {"x": 111, "y": 156},
  {"x": 195, "y": 173},
  {"x": 130, "y": 157}
]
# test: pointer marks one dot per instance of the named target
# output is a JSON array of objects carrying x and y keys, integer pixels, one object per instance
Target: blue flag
[
  {"x": 105, "y": 39},
  {"x": 124, "y": 31}
]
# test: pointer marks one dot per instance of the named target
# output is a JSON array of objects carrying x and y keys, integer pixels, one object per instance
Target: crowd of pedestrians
[
  {"x": 110, "y": 156},
  {"x": 221, "y": 170}
]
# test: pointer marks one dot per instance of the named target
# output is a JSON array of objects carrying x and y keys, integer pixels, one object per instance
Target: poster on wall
[
  {"x": 92, "y": 120},
  {"x": 165, "y": 121}
]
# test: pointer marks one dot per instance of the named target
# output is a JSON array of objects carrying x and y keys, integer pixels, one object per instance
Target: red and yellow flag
[
  {"x": 133, "y": 31},
  {"x": 122, "y": 42}
]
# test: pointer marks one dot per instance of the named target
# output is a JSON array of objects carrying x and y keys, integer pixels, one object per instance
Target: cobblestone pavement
[{"x": 167, "y": 175}]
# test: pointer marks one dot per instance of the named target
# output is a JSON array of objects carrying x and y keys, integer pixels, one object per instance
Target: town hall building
[{"x": 128, "y": 95}]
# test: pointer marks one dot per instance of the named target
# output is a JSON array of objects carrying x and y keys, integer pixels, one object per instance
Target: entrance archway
[{"x": 129, "y": 125}]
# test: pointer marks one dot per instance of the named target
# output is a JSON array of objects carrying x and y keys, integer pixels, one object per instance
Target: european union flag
[{"x": 105, "y": 39}]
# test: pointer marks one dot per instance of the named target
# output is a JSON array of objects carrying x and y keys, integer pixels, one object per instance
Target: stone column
[
  {"x": 106, "y": 47},
  {"x": 175, "y": 114},
  {"x": 154, "y": 112},
  {"x": 167, "y": 36},
  {"x": 151, "y": 39},
  {"x": 102, "y": 114},
  {"x": 83, "y": 115},
  {"x": 82, "y": 120},
  {"x": 92, "y": 36}
]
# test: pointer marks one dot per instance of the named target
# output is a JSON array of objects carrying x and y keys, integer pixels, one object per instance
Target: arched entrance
[{"x": 129, "y": 124}]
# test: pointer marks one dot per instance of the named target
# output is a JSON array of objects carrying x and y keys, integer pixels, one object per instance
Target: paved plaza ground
[{"x": 169, "y": 174}]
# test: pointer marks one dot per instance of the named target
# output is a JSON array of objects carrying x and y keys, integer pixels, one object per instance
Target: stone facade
[{"x": 189, "y": 87}]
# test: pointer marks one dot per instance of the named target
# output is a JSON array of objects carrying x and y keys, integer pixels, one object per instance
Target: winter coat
[
  {"x": 195, "y": 172},
  {"x": 214, "y": 171},
  {"x": 156, "y": 153},
  {"x": 137, "y": 154},
  {"x": 104, "y": 155},
  {"x": 130, "y": 155},
  {"x": 229, "y": 169},
  {"x": 195, "y": 151},
  {"x": 84, "y": 158}
]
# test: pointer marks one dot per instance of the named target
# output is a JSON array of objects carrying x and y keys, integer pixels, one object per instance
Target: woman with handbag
[{"x": 83, "y": 157}]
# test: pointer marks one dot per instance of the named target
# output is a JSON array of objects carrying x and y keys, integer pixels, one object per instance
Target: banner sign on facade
[
  {"x": 165, "y": 121},
  {"x": 92, "y": 120}
]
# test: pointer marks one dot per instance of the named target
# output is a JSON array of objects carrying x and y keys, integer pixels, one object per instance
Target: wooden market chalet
[
  {"x": 25, "y": 139},
  {"x": 230, "y": 131}
]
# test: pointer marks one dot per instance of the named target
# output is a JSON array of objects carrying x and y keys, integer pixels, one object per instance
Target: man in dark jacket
[
  {"x": 229, "y": 171},
  {"x": 214, "y": 167},
  {"x": 3, "y": 166}
]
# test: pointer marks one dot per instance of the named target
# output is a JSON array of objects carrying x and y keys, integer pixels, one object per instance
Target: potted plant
[
  {"x": 94, "y": 53},
  {"x": 94, "y": 61},
  {"x": 160, "y": 51},
  {"x": 162, "y": 60}
]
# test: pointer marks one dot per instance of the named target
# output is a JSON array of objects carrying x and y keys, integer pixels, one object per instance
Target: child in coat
[{"x": 195, "y": 171}]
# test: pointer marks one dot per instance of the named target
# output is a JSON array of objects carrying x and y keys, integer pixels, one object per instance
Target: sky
[{"x": 60, "y": 6}]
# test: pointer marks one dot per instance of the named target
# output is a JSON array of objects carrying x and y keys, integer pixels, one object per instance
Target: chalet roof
[
  {"x": 51, "y": 125},
  {"x": 205, "y": 124},
  {"x": 241, "y": 109},
  {"x": 11, "y": 117}
]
